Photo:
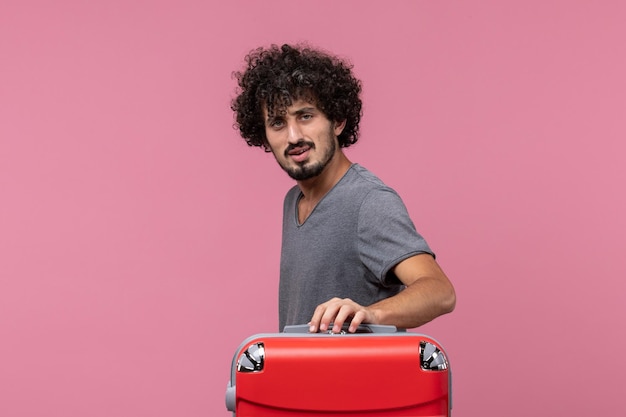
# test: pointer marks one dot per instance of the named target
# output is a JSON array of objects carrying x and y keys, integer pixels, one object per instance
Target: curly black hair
[{"x": 277, "y": 76}]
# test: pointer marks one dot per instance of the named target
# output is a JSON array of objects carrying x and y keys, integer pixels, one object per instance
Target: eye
[
  {"x": 306, "y": 116},
  {"x": 276, "y": 123}
]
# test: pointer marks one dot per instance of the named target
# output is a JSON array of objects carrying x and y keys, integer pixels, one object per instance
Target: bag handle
[{"x": 363, "y": 328}]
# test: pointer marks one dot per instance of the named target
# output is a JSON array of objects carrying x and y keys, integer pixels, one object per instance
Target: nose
[{"x": 294, "y": 133}]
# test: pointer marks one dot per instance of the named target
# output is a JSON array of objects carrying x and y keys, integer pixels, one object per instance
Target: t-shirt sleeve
[{"x": 387, "y": 235}]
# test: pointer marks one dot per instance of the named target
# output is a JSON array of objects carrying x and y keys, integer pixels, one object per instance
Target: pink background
[{"x": 139, "y": 235}]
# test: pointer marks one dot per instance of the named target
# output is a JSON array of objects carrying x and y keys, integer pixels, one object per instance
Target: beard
[{"x": 306, "y": 170}]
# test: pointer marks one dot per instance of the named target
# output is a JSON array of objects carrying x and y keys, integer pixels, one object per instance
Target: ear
[{"x": 338, "y": 127}]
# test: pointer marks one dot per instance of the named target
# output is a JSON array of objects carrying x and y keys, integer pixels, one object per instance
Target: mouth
[{"x": 298, "y": 152}]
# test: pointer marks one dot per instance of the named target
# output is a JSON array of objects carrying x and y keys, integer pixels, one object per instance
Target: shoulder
[
  {"x": 372, "y": 187},
  {"x": 360, "y": 173},
  {"x": 292, "y": 196},
  {"x": 363, "y": 179},
  {"x": 360, "y": 189},
  {"x": 293, "y": 192}
]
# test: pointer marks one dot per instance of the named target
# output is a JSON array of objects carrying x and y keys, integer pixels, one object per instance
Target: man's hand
[{"x": 338, "y": 311}]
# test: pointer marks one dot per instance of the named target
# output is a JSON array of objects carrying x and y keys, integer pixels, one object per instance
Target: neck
[{"x": 314, "y": 189}]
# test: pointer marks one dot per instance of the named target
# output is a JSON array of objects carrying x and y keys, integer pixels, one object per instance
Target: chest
[
  {"x": 304, "y": 209},
  {"x": 323, "y": 229}
]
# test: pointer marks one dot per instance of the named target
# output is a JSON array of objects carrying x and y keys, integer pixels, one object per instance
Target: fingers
[
  {"x": 320, "y": 320},
  {"x": 338, "y": 311}
]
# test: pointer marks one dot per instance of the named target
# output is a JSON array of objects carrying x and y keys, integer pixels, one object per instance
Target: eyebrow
[
  {"x": 304, "y": 110},
  {"x": 298, "y": 112}
]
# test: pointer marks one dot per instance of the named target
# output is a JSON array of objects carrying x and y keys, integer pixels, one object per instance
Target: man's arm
[{"x": 428, "y": 294}]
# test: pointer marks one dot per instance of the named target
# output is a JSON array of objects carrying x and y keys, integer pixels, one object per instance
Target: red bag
[{"x": 377, "y": 372}]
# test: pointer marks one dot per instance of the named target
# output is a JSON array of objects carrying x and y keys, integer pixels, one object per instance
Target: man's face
[{"x": 302, "y": 140}]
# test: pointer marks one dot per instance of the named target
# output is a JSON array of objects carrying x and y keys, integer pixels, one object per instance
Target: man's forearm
[{"x": 422, "y": 301}]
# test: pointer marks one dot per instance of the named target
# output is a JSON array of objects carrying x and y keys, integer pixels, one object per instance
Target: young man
[{"x": 350, "y": 252}]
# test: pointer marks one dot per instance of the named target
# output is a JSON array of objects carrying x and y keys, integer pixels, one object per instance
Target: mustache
[{"x": 301, "y": 143}]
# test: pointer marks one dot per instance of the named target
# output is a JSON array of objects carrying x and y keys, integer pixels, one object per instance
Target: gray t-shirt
[{"x": 346, "y": 247}]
